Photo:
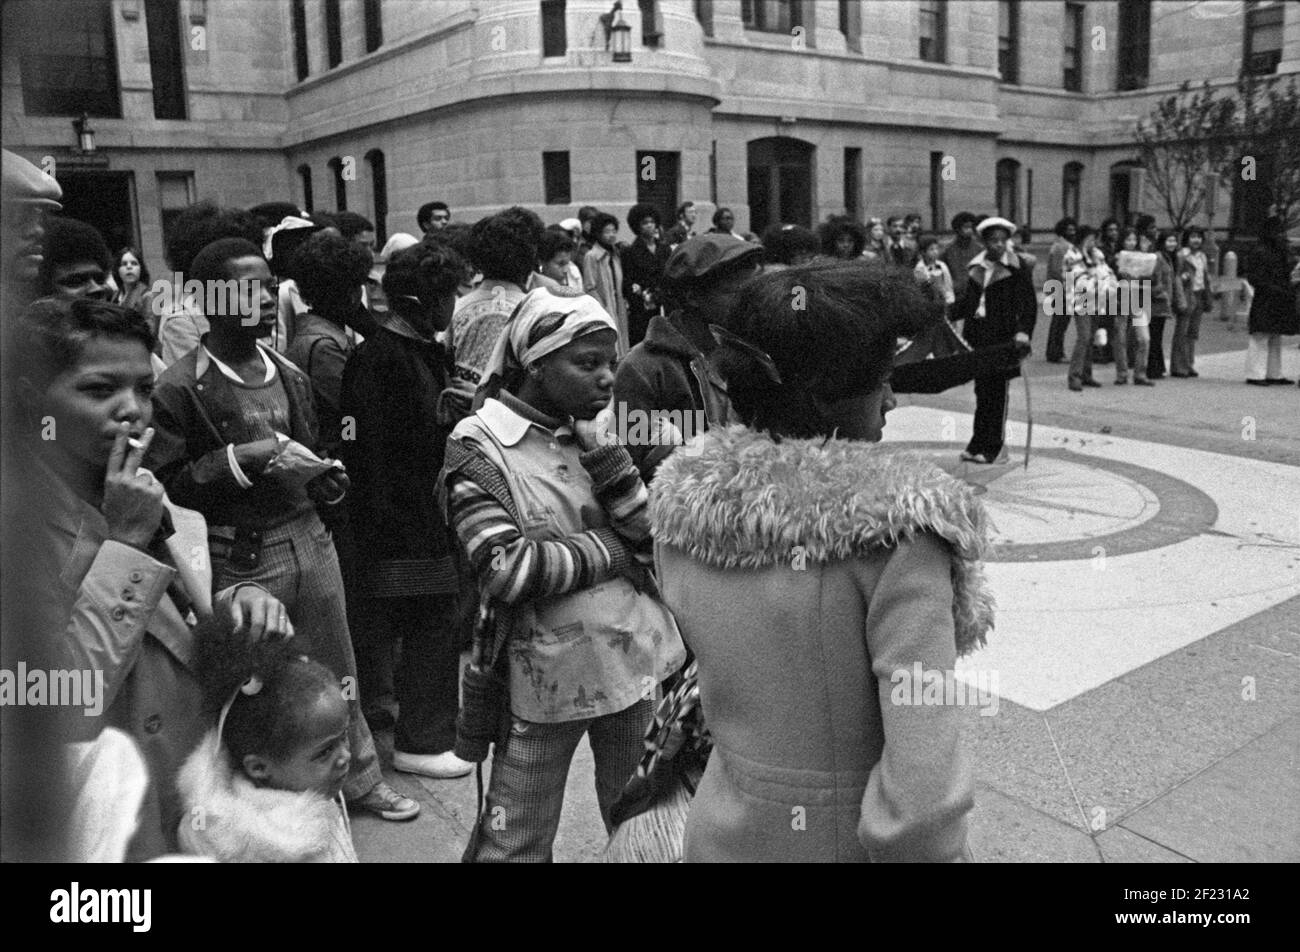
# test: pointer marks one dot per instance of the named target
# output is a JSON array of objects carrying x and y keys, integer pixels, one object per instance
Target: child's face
[
  {"x": 320, "y": 760},
  {"x": 931, "y": 253},
  {"x": 557, "y": 268}
]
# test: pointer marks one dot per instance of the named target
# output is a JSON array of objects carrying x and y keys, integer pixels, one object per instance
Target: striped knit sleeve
[
  {"x": 513, "y": 568},
  {"x": 619, "y": 490}
]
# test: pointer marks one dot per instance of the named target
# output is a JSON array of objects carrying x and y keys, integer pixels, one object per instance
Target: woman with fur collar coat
[{"x": 816, "y": 576}]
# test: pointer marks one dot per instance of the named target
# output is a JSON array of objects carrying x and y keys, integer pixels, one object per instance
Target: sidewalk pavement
[{"x": 1147, "y": 649}]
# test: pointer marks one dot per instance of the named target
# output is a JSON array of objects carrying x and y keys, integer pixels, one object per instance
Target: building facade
[{"x": 783, "y": 110}]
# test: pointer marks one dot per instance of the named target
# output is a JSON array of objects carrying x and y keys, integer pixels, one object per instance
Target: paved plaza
[{"x": 1147, "y": 647}]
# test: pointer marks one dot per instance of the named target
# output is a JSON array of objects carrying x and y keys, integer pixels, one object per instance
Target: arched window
[
  {"x": 304, "y": 176},
  {"x": 340, "y": 186},
  {"x": 379, "y": 186},
  {"x": 1071, "y": 186},
  {"x": 1008, "y": 189}
]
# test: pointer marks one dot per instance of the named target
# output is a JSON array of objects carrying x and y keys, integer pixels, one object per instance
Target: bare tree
[
  {"x": 1185, "y": 143},
  {"x": 1268, "y": 130}
]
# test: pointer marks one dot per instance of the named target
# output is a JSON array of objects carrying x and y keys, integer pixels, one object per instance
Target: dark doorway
[
  {"x": 105, "y": 200},
  {"x": 780, "y": 182}
]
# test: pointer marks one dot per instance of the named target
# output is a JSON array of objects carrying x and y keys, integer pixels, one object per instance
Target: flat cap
[
  {"x": 703, "y": 256},
  {"x": 20, "y": 181}
]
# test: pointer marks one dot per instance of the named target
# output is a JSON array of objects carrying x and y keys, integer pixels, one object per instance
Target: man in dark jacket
[
  {"x": 405, "y": 585},
  {"x": 1273, "y": 311},
  {"x": 670, "y": 371},
  {"x": 999, "y": 309}
]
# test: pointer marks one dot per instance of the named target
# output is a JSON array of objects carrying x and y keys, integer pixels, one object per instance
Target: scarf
[
  {"x": 992, "y": 270},
  {"x": 542, "y": 323}
]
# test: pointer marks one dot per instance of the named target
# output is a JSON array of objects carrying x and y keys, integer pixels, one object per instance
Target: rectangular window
[
  {"x": 163, "y": 22},
  {"x": 374, "y": 26},
  {"x": 70, "y": 69},
  {"x": 704, "y": 14},
  {"x": 379, "y": 192},
  {"x": 771, "y": 16},
  {"x": 934, "y": 29},
  {"x": 308, "y": 199},
  {"x": 852, "y": 182},
  {"x": 713, "y": 172},
  {"x": 938, "y": 219},
  {"x": 1072, "y": 59},
  {"x": 1009, "y": 40},
  {"x": 1071, "y": 184},
  {"x": 1263, "y": 38},
  {"x": 1134, "y": 44},
  {"x": 555, "y": 178},
  {"x": 554, "y": 40},
  {"x": 299, "y": 12},
  {"x": 651, "y": 30},
  {"x": 340, "y": 185},
  {"x": 333, "y": 33},
  {"x": 851, "y": 23},
  {"x": 175, "y": 194},
  {"x": 657, "y": 175}
]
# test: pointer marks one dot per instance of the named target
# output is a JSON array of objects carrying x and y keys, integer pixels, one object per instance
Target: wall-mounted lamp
[
  {"x": 85, "y": 134},
  {"x": 618, "y": 33}
]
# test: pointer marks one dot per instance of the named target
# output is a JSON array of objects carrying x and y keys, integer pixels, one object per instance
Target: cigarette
[{"x": 134, "y": 443}]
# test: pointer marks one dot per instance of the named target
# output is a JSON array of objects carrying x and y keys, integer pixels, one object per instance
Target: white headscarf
[{"x": 521, "y": 345}]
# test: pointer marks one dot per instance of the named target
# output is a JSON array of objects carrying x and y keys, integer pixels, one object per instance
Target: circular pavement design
[{"x": 1066, "y": 506}]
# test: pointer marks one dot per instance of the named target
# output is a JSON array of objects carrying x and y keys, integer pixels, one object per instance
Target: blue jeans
[{"x": 526, "y": 793}]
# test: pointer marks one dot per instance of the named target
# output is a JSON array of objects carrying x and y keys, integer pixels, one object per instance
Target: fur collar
[
  {"x": 245, "y": 823},
  {"x": 736, "y": 499}
]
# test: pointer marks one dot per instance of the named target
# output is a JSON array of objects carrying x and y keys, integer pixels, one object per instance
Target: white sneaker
[{"x": 444, "y": 766}]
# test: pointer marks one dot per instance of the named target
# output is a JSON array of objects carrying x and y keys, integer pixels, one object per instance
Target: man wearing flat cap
[
  {"x": 26, "y": 194},
  {"x": 671, "y": 370},
  {"x": 1000, "y": 310}
]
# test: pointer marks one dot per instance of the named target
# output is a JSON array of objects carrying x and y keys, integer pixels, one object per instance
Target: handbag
[{"x": 484, "y": 716}]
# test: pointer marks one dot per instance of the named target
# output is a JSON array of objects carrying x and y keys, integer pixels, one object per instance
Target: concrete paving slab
[
  {"x": 1013, "y": 753},
  {"x": 1119, "y": 845},
  {"x": 1091, "y": 606},
  {"x": 1004, "y": 830},
  {"x": 1244, "y": 809}
]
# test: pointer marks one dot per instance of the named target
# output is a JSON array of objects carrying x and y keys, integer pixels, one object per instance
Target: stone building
[{"x": 783, "y": 110}]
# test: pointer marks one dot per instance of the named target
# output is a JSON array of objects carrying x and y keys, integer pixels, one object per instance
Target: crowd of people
[{"x": 274, "y": 517}]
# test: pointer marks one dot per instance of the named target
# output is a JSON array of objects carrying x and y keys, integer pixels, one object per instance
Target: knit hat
[
  {"x": 20, "y": 181},
  {"x": 705, "y": 256}
]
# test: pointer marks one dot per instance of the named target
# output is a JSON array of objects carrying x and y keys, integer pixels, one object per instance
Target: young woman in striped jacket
[{"x": 551, "y": 514}]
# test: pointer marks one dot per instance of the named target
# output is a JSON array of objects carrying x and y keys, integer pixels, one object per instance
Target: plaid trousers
[
  {"x": 526, "y": 793},
  {"x": 298, "y": 565}
]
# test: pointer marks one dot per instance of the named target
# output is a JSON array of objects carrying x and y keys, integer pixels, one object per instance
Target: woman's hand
[
  {"x": 256, "y": 614},
  {"x": 133, "y": 499},
  {"x": 595, "y": 433}
]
